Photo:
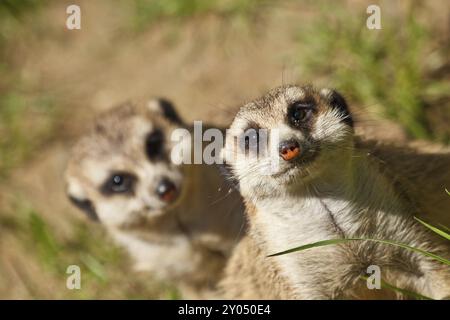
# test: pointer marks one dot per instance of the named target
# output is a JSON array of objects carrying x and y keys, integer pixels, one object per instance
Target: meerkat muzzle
[
  {"x": 289, "y": 150},
  {"x": 167, "y": 191}
]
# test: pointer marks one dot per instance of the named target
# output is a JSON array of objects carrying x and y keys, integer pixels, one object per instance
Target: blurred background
[{"x": 207, "y": 56}]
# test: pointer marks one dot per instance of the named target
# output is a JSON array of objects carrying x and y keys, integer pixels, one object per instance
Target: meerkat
[
  {"x": 328, "y": 185},
  {"x": 176, "y": 221}
]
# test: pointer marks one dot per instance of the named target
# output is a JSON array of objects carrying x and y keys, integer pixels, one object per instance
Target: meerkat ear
[
  {"x": 166, "y": 108},
  {"x": 337, "y": 101},
  {"x": 77, "y": 197}
]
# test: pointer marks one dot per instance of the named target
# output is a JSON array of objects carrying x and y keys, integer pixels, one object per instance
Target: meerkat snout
[
  {"x": 167, "y": 190},
  {"x": 289, "y": 150}
]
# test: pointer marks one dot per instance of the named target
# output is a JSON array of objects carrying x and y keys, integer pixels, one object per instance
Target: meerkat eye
[
  {"x": 119, "y": 182},
  {"x": 300, "y": 113},
  {"x": 154, "y": 144}
]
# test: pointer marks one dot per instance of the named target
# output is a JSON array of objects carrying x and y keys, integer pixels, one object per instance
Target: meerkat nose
[
  {"x": 289, "y": 150},
  {"x": 166, "y": 190}
]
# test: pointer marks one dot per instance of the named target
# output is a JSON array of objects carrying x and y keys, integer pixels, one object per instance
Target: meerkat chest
[
  {"x": 158, "y": 257},
  {"x": 288, "y": 223},
  {"x": 291, "y": 222}
]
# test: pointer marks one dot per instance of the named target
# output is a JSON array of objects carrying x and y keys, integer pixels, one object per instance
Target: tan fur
[
  {"x": 250, "y": 275},
  {"x": 421, "y": 170},
  {"x": 186, "y": 243},
  {"x": 351, "y": 188}
]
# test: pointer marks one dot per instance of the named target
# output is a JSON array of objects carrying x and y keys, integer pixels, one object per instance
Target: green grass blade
[
  {"x": 447, "y": 229},
  {"x": 448, "y": 192},
  {"x": 412, "y": 294},
  {"x": 94, "y": 266},
  {"x": 310, "y": 245},
  {"x": 434, "y": 229},
  {"x": 338, "y": 241}
]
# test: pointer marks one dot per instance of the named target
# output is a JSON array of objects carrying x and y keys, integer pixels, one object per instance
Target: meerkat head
[
  {"x": 287, "y": 137},
  {"x": 121, "y": 171}
]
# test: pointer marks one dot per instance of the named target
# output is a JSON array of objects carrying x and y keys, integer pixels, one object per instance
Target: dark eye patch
[
  {"x": 154, "y": 144},
  {"x": 300, "y": 113},
  {"x": 119, "y": 183}
]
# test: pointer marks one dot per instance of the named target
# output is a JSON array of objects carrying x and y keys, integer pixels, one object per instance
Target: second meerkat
[
  {"x": 176, "y": 221},
  {"x": 326, "y": 186}
]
